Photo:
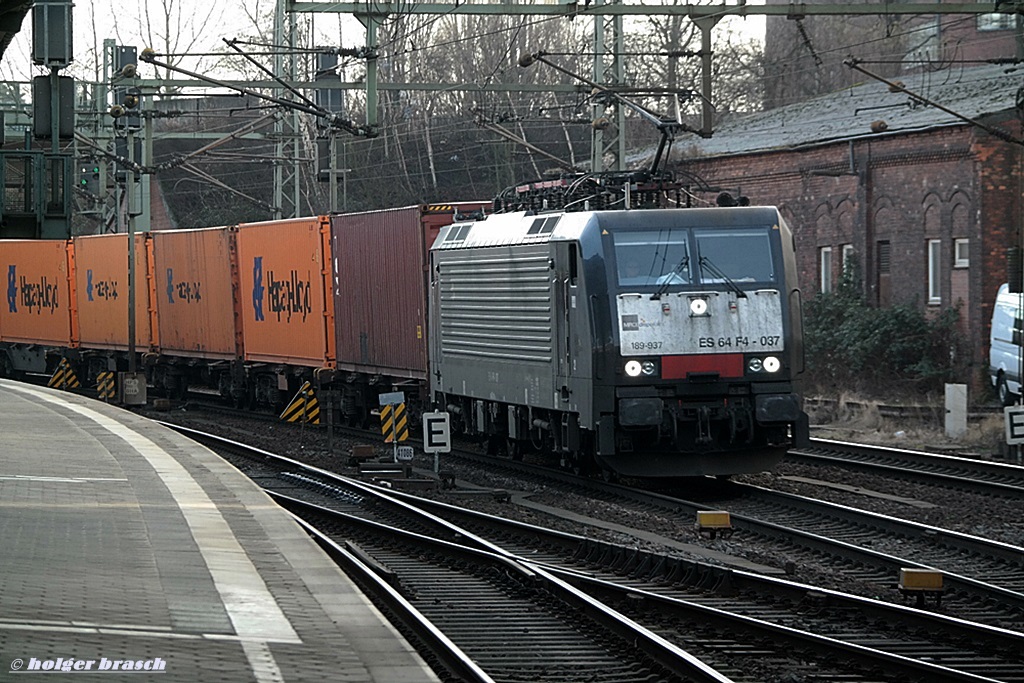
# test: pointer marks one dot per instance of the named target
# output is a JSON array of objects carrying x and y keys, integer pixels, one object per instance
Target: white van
[{"x": 1004, "y": 354}]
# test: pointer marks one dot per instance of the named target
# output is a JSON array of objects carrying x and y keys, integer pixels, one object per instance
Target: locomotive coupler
[{"x": 704, "y": 425}]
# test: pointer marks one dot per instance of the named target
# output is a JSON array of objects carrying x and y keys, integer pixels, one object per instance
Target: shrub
[{"x": 854, "y": 346}]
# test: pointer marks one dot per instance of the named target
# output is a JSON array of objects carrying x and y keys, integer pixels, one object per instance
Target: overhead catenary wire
[
  {"x": 332, "y": 119},
  {"x": 790, "y": 68},
  {"x": 992, "y": 130},
  {"x": 475, "y": 36},
  {"x": 406, "y": 132}
]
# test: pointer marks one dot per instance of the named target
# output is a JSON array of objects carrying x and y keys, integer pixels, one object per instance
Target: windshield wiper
[
  {"x": 717, "y": 272},
  {"x": 682, "y": 265}
]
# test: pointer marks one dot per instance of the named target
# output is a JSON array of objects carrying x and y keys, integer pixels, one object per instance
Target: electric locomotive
[{"x": 645, "y": 343}]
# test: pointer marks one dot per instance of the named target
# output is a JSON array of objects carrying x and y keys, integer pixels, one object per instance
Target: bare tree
[
  {"x": 804, "y": 57},
  {"x": 664, "y": 54},
  {"x": 174, "y": 29},
  {"x": 430, "y": 148}
]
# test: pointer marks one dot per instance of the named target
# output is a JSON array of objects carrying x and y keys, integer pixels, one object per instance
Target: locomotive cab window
[
  {"x": 651, "y": 258},
  {"x": 735, "y": 255}
]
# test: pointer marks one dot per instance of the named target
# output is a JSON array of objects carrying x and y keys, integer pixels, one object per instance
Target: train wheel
[
  {"x": 580, "y": 464},
  {"x": 583, "y": 468},
  {"x": 514, "y": 448},
  {"x": 492, "y": 444}
]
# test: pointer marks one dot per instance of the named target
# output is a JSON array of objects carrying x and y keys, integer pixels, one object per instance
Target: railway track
[
  {"x": 985, "y": 579},
  {"x": 970, "y": 474},
  {"x": 714, "y": 612},
  {"x": 660, "y": 582},
  {"x": 872, "y": 549},
  {"x": 508, "y": 620},
  {"x": 515, "y": 622}
]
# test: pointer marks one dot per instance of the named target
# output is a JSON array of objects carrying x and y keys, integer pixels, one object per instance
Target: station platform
[{"x": 125, "y": 547}]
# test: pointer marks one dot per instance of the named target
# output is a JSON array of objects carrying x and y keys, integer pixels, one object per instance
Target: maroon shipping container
[
  {"x": 196, "y": 283},
  {"x": 381, "y": 285}
]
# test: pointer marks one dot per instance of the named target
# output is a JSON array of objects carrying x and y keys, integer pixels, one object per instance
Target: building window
[
  {"x": 934, "y": 271},
  {"x": 997, "y": 22},
  {"x": 826, "y": 269},
  {"x": 883, "y": 257},
  {"x": 961, "y": 258},
  {"x": 847, "y": 258},
  {"x": 883, "y": 281}
]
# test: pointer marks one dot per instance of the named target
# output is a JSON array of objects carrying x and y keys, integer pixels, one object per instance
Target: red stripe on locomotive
[{"x": 725, "y": 364}]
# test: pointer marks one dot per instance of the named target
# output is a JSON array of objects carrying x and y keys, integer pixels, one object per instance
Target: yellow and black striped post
[
  {"x": 304, "y": 407},
  {"x": 64, "y": 377},
  {"x": 312, "y": 412},
  {"x": 394, "y": 422},
  {"x": 105, "y": 386}
]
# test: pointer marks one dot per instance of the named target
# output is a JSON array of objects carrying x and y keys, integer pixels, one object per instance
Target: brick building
[{"x": 927, "y": 202}]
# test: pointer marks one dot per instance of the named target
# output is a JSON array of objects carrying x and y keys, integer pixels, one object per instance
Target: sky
[
  {"x": 96, "y": 20},
  {"x": 196, "y": 26}
]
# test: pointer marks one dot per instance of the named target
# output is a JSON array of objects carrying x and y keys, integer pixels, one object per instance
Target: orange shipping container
[
  {"x": 101, "y": 277},
  {"x": 284, "y": 270},
  {"x": 195, "y": 282},
  {"x": 38, "y": 305}
]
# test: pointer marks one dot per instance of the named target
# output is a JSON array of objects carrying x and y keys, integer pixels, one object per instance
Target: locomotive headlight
[
  {"x": 698, "y": 306},
  {"x": 768, "y": 364},
  {"x": 635, "y": 368}
]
